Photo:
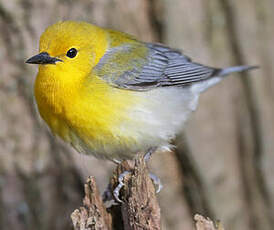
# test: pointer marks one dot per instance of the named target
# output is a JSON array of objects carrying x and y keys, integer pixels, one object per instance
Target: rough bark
[
  {"x": 223, "y": 164},
  {"x": 93, "y": 214},
  {"x": 203, "y": 223},
  {"x": 139, "y": 208}
]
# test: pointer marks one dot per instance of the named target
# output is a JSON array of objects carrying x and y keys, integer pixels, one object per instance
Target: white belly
[
  {"x": 151, "y": 123},
  {"x": 161, "y": 116}
]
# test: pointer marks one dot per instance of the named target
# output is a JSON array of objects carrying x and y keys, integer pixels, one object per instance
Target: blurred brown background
[{"x": 224, "y": 165}]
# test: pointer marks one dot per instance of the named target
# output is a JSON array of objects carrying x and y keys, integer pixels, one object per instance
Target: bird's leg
[
  {"x": 121, "y": 177},
  {"x": 108, "y": 194},
  {"x": 116, "y": 191},
  {"x": 116, "y": 161},
  {"x": 156, "y": 180},
  {"x": 107, "y": 197},
  {"x": 149, "y": 153}
]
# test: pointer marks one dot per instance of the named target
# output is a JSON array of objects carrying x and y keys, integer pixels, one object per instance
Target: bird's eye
[{"x": 72, "y": 53}]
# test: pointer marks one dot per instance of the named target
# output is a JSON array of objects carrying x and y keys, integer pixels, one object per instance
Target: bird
[{"x": 110, "y": 95}]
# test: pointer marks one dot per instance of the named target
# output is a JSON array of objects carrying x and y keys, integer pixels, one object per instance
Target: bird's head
[{"x": 70, "y": 47}]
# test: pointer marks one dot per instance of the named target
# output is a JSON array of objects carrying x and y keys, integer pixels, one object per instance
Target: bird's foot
[
  {"x": 157, "y": 182},
  {"x": 116, "y": 191},
  {"x": 107, "y": 197},
  {"x": 153, "y": 177},
  {"x": 116, "y": 161},
  {"x": 149, "y": 153}
]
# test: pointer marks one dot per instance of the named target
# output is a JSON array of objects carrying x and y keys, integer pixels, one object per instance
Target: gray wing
[
  {"x": 179, "y": 69},
  {"x": 152, "y": 65}
]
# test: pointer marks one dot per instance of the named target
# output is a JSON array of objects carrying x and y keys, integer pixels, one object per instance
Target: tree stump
[{"x": 139, "y": 209}]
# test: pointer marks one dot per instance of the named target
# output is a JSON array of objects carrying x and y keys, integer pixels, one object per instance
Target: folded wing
[{"x": 143, "y": 66}]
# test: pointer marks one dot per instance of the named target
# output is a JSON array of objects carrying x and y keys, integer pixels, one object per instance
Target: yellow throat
[{"x": 71, "y": 99}]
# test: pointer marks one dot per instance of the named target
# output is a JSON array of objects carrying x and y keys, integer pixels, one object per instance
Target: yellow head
[
  {"x": 77, "y": 105},
  {"x": 70, "y": 47}
]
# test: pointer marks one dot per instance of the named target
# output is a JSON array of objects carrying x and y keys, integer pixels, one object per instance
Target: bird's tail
[
  {"x": 218, "y": 76},
  {"x": 229, "y": 70}
]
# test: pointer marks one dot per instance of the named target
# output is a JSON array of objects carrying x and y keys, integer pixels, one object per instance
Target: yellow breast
[
  {"x": 92, "y": 111},
  {"x": 76, "y": 104}
]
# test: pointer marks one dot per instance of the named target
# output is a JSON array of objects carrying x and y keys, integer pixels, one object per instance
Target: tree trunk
[{"x": 223, "y": 165}]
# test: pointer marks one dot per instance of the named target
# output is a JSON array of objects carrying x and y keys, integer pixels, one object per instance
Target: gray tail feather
[
  {"x": 229, "y": 70},
  {"x": 218, "y": 76}
]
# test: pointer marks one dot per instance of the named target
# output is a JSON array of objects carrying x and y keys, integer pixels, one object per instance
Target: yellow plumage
[
  {"x": 74, "y": 102},
  {"x": 110, "y": 95}
]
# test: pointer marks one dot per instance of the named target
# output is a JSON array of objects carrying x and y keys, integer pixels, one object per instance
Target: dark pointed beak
[{"x": 42, "y": 58}]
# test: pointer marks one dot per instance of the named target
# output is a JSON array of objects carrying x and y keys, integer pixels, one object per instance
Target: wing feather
[{"x": 152, "y": 65}]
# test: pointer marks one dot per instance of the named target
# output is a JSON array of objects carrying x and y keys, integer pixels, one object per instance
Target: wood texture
[
  {"x": 93, "y": 214},
  {"x": 139, "y": 206},
  {"x": 140, "y": 209}
]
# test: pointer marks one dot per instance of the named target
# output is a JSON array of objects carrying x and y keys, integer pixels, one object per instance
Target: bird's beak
[{"x": 42, "y": 58}]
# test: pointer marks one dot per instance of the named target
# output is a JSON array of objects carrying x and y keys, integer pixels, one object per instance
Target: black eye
[{"x": 72, "y": 53}]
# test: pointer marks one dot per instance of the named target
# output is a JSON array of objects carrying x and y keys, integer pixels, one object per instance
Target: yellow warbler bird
[{"x": 110, "y": 95}]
